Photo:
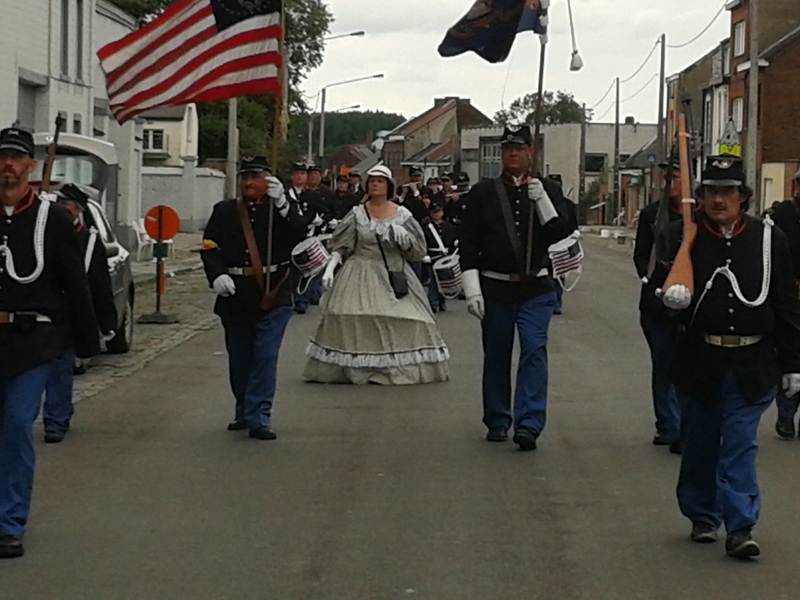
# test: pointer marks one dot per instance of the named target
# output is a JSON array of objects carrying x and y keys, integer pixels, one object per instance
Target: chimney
[{"x": 630, "y": 121}]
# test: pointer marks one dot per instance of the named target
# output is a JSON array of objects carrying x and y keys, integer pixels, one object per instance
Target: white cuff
[{"x": 472, "y": 283}]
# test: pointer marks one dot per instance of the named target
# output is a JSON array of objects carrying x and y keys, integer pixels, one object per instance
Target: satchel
[{"x": 397, "y": 279}]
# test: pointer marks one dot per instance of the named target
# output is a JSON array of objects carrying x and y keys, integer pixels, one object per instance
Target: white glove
[
  {"x": 472, "y": 290},
  {"x": 677, "y": 297},
  {"x": 400, "y": 236},
  {"x": 426, "y": 260},
  {"x": 107, "y": 337},
  {"x": 645, "y": 280},
  {"x": 327, "y": 277},
  {"x": 276, "y": 192},
  {"x": 544, "y": 206},
  {"x": 791, "y": 384},
  {"x": 224, "y": 286},
  {"x": 333, "y": 223},
  {"x": 317, "y": 221}
]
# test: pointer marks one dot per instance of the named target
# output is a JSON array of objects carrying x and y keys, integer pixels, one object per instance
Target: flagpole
[
  {"x": 276, "y": 141},
  {"x": 537, "y": 128}
]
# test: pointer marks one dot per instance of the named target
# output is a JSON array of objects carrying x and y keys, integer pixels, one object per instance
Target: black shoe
[
  {"x": 740, "y": 544},
  {"x": 558, "y": 311},
  {"x": 237, "y": 425},
  {"x": 703, "y": 533},
  {"x": 675, "y": 447},
  {"x": 785, "y": 428},
  {"x": 263, "y": 433},
  {"x": 497, "y": 435},
  {"x": 11, "y": 546},
  {"x": 525, "y": 438},
  {"x": 661, "y": 439},
  {"x": 53, "y": 437},
  {"x": 300, "y": 310}
]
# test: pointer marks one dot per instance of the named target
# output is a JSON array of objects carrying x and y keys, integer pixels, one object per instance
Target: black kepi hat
[
  {"x": 299, "y": 166},
  {"x": 723, "y": 171},
  {"x": 17, "y": 139},
  {"x": 517, "y": 135},
  {"x": 415, "y": 170},
  {"x": 254, "y": 164},
  {"x": 72, "y": 192},
  {"x": 314, "y": 169}
]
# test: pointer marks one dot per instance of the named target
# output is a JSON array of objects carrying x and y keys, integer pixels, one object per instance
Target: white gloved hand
[
  {"x": 224, "y": 286},
  {"x": 327, "y": 277},
  {"x": 276, "y": 191},
  {"x": 400, "y": 236},
  {"x": 426, "y": 260},
  {"x": 317, "y": 221},
  {"x": 791, "y": 384},
  {"x": 472, "y": 290},
  {"x": 544, "y": 206},
  {"x": 107, "y": 337},
  {"x": 333, "y": 223},
  {"x": 677, "y": 297},
  {"x": 645, "y": 280}
]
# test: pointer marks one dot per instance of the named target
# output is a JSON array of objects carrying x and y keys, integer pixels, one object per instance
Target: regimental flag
[
  {"x": 195, "y": 51},
  {"x": 490, "y": 27}
]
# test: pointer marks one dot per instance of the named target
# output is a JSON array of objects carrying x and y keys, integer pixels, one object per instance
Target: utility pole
[
  {"x": 582, "y": 169},
  {"x": 617, "y": 197},
  {"x": 322, "y": 128},
  {"x": 661, "y": 151},
  {"x": 310, "y": 151},
  {"x": 233, "y": 148},
  {"x": 751, "y": 155}
]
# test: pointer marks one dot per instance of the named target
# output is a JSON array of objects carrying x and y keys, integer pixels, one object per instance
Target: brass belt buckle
[{"x": 731, "y": 341}]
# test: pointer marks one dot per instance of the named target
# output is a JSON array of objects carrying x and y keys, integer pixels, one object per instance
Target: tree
[{"x": 559, "y": 107}]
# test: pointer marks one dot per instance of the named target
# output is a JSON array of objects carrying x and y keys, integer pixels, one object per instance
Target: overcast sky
[{"x": 614, "y": 37}]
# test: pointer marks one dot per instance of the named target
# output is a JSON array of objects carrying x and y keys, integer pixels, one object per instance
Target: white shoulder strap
[
  {"x": 438, "y": 238},
  {"x": 87, "y": 259}
]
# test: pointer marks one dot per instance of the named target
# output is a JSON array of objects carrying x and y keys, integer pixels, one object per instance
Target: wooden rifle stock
[
  {"x": 47, "y": 172},
  {"x": 682, "y": 272}
]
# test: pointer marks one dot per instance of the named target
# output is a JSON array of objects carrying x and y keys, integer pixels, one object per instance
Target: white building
[{"x": 481, "y": 157}]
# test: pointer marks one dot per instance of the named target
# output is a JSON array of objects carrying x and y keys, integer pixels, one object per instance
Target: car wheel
[{"x": 122, "y": 342}]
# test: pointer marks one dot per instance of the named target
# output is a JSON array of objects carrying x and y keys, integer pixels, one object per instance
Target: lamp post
[
  {"x": 344, "y": 35},
  {"x": 324, "y": 93}
]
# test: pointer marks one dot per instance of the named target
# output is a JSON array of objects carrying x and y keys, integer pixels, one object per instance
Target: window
[
  {"x": 708, "y": 117},
  {"x": 79, "y": 42},
  {"x": 491, "y": 163},
  {"x": 154, "y": 140},
  {"x": 726, "y": 62},
  {"x": 77, "y": 124},
  {"x": 65, "y": 37},
  {"x": 739, "y": 38},
  {"x": 595, "y": 163},
  {"x": 738, "y": 114}
]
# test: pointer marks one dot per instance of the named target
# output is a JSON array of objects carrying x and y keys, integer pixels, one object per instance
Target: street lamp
[
  {"x": 322, "y": 110},
  {"x": 344, "y": 35},
  {"x": 310, "y": 152}
]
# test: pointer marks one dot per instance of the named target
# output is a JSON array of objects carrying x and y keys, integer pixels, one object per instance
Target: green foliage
[
  {"x": 342, "y": 129},
  {"x": 559, "y": 107}
]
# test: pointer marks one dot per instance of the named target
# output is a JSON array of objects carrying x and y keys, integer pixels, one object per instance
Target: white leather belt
[
  {"x": 250, "y": 270},
  {"x": 733, "y": 341},
  {"x": 509, "y": 276}
]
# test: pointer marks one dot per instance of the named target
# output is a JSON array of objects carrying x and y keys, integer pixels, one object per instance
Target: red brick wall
[{"x": 780, "y": 107}]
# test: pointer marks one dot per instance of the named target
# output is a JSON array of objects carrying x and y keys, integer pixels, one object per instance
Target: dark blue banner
[{"x": 490, "y": 27}]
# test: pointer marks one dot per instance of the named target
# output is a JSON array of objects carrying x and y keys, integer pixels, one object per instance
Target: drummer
[{"x": 441, "y": 239}]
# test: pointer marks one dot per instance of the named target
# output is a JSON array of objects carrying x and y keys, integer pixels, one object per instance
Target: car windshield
[{"x": 81, "y": 169}]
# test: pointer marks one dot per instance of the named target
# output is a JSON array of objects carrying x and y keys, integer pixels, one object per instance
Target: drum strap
[
  {"x": 513, "y": 236},
  {"x": 437, "y": 238},
  {"x": 252, "y": 247}
]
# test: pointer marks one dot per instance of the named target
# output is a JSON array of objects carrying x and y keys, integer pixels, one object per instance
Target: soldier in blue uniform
[
  {"x": 45, "y": 308},
  {"x": 741, "y": 336},
  {"x": 253, "y": 331},
  {"x": 494, "y": 249}
]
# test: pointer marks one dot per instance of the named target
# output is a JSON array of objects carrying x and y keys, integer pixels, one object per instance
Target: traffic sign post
[{"x": 161, "y": 223}]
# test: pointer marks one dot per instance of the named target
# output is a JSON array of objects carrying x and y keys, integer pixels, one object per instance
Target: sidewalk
[{"x": 187, "y": 258}]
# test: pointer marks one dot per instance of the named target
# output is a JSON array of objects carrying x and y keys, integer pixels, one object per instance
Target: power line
[
  {"x": 611, "y": 87},
  {"x": 643, "y": 88},
  {"x": 600, "y": 118},
  {"x": 646, "y": 60},
  {"x": 699, "y": 35}
]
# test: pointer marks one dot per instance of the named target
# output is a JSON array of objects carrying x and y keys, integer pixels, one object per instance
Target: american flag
[
  {"x": 195, "y": 51},
  {"x": 566, "y": 256}
]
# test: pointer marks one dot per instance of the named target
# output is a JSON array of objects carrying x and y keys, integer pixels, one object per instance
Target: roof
[
  {"x": 639, "y": 158},
  {"x": 438, "y": 153},
  {"x": 166, "y": 113},
  {"x": 429, "y": 115},
  {"x": 367, "y": 164},
  {"x": 81, "y": 144},
  {"x": 782, "y": 43}
]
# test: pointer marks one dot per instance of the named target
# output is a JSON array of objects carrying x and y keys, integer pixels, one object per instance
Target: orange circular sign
[{"x": 162, "y": 220}]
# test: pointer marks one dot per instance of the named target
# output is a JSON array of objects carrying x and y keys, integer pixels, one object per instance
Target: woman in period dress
[{"x": 367, "y": 334}]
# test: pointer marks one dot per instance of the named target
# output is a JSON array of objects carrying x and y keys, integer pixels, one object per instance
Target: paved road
[{"x": 383, "y": 493}]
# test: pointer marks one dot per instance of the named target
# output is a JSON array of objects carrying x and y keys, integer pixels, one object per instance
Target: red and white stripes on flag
[
  {"x": 195, "y": 51},
  {"x": 566, "y": 258}
]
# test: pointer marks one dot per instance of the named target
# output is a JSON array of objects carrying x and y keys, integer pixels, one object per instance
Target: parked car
[{"x": 91, "y": 164}]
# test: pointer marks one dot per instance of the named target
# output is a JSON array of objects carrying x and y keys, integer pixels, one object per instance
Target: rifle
[{"x": 47, "y": 172}]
